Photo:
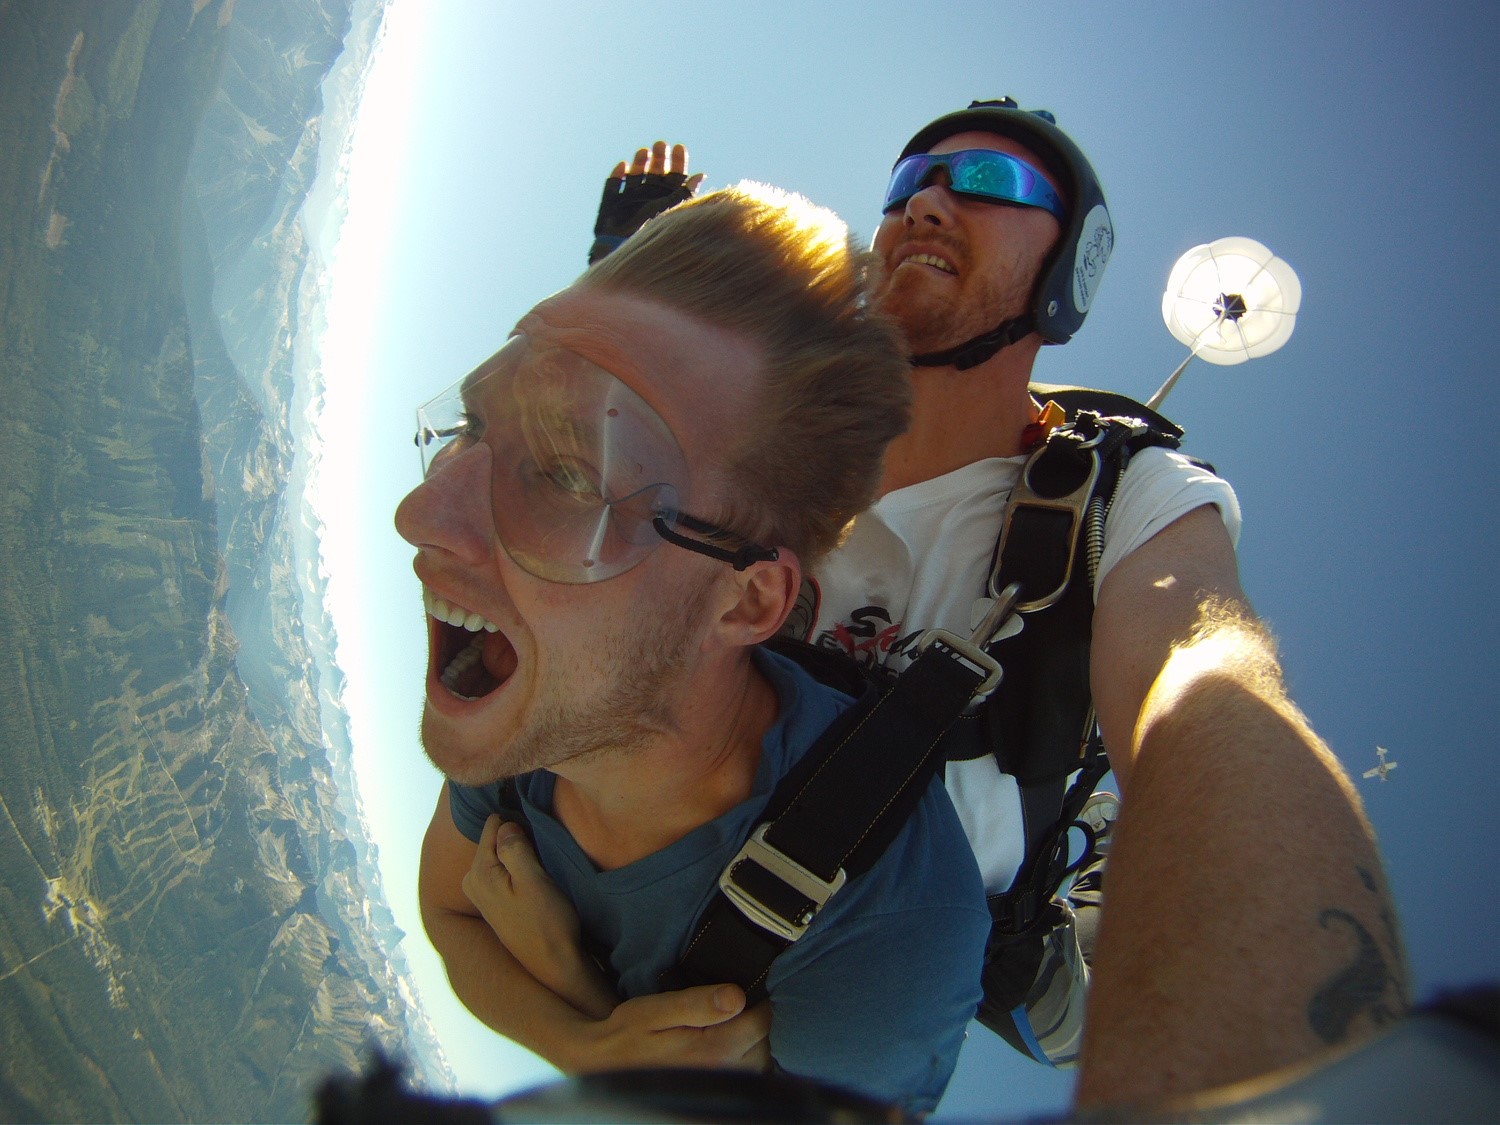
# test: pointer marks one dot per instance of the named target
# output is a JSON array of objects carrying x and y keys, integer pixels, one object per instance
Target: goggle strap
[{"x": 742, "y": 558}]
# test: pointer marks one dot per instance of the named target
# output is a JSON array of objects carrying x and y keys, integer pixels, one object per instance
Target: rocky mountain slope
[{"x": 188, "y": 924}]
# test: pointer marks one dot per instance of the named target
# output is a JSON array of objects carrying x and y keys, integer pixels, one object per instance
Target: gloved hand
[{"x": 655, "y": 181}]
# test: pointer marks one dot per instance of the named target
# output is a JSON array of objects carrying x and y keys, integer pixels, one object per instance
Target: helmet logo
[{"x": 1096, "y": 240}]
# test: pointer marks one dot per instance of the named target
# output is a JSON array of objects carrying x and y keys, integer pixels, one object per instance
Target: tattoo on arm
[{"x": 1368, "y": 984}]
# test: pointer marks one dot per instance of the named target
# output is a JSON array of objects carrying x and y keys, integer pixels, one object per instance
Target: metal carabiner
[{"x": 970, "y": 650}]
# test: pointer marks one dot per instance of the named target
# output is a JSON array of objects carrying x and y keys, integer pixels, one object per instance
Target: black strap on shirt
[{"x": 832, "y": 817}]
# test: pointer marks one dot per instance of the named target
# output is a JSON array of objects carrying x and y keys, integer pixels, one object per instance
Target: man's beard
[
  {"x": 931, "y": 322},
  {"x": 623, "y": 716}
]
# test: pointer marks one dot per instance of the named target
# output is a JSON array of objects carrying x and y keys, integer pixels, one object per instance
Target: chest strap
[{"x": 832, "y": 817}]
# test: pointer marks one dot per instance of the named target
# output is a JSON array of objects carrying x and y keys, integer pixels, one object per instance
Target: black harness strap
[
  {"x": 830, "y": 819},
  {"x": 1042, "y": 726}
]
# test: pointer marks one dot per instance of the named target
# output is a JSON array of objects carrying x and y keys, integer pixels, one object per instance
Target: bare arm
[
  {"x": 705, "y": 1026},
  {"x": 1246, "y": 923}
]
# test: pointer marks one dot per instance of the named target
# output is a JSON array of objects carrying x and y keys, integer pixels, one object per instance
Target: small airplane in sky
[{"x": 1383, "y": 770}]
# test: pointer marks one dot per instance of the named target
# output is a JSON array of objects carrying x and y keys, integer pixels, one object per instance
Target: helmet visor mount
[
  {"x": 994, "y": 177},
  {"x": 586, "y": 476}
]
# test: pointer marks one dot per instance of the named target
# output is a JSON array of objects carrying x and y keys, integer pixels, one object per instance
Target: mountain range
[{"x": 191, "y": 921}]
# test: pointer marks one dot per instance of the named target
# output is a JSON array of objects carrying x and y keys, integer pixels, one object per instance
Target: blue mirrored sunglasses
[{"x": 979, "y": 173}]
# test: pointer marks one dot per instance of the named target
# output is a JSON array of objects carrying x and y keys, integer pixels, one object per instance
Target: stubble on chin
[
  {"x": 623, "y": 703},
  {"x": 914, "y": 303},
  {"x": 933, "y": 321},
  {"x": 937, "y": 313},
  {"x": 442, "y": 750}
]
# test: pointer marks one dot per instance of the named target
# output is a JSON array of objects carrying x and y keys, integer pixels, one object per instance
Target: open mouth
[{"x": 473, "y": 657}]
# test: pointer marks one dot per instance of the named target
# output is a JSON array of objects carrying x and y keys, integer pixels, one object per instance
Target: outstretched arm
[
  {"x": 654, "y": 181},
  {"x": 706, "y": 1026},
  {"x": 1246, "y": 923}
]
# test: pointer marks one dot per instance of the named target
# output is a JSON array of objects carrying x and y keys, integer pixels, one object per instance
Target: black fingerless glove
[{"x": 628, "y": 203}]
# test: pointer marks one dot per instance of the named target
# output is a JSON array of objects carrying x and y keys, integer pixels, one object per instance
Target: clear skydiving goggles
[
  {"x": 586, "y": 476},
  {"x": 980, "y": 173}
]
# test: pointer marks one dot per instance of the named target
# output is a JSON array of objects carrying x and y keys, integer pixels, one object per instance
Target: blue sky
[{"x": 1356, "y": 141}]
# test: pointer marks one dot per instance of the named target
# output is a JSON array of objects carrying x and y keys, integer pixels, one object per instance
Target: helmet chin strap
[{"x": 980, "y": 348}]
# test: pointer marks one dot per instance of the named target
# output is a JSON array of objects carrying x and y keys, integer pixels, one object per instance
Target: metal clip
[
  {"x": 971, "y": 650},
  {"x": 994, "y": 619},
  {"x": 1070, "y": 506},
  {"x": 793, "y": 874}
]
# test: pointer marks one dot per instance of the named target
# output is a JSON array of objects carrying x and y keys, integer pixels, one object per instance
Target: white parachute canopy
[{"x": 1229, "y": 300}]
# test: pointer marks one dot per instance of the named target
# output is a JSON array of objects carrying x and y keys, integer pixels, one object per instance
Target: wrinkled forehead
[{"x": 542, "y": 375}]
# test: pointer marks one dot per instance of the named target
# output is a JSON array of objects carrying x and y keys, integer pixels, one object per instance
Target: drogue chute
[{"x": 1229, "y": 301}]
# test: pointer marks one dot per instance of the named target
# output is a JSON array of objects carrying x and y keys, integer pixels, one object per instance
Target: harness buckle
[
  {"x": 970, "y": 650},
  {"x": 967, "y": 652},
  {"x": 1001, "y": 609},
  {"x": 1052, "y": 514},
  {"x": 789, "y": 872}
]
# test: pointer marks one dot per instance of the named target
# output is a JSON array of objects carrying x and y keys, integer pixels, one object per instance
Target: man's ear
[{"x": 766, "y": 595}]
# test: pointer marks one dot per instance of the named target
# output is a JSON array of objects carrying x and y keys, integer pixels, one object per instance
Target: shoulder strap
[
  {"x": 1040, "y": 725},
  {"x": 832, "y": 817},
  {"x": 1109, "y": 404}
]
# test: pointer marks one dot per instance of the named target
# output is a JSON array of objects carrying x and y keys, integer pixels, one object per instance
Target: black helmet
[{"x": 1070, "y": 274}]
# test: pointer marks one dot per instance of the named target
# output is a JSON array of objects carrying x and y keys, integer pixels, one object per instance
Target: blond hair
[{"x": 784, "y": 274}]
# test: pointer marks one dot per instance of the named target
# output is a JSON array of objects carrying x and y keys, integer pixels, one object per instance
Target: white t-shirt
[{"x": 890, "y": 582}]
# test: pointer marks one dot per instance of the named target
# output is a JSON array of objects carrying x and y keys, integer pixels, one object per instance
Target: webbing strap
[
  {"x": 1019, "y": 909},
  {"x": 1039, "y": 547},
  {"x": 833, "y": 817},
  {"x": 844, "y": 813}
]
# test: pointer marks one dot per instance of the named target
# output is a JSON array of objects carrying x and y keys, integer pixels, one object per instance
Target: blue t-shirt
[{"x": 876, "y": 995}]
